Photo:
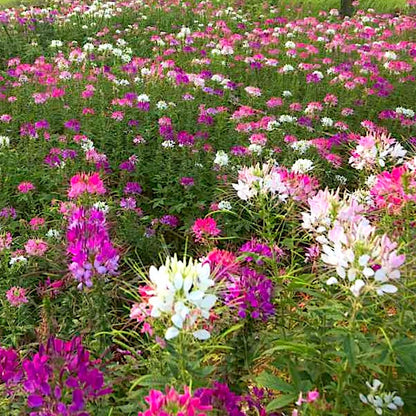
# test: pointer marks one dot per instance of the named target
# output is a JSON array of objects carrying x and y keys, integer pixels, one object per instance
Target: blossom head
[
  {"x": 25, "y": 187},
  {"x": 82, "y": 182},
  {"x": 36, "y": 247},
  {"x": 204, "y": 228},
  {"x": 182, "y": 292},
  {"x": 16, "y": 296},
  {"x": 173, "y": 403}
]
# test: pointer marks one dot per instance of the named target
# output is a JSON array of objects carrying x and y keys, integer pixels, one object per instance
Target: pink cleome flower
[
  {"x": 205, "y": 227},
  {"x": 173, "y": 403},
  {"x": 25, "y": 187},
  {"x": 392, "y": 190},
  {"x": 83, "y": 182},
  {"x": 16, "y": 296},
  {"x": 36, "y": 247}
]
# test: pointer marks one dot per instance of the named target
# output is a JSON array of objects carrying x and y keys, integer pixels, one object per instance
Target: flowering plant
[{"x": 182, "y": 293}]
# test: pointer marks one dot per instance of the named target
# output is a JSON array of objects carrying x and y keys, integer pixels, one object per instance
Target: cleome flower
[
  {"x": 174, "y": 403},
  {"x": 275, "y": 182},
  {"x": 374, "y": 150},
  {"x": 362, "y": 259},
  {"x": 381, "y": 400},
  {"x": 393, "y": 190},
  {"x": 326, "y": 207},
  {"x": 183, "y": 291},
  {"x": 90, "y": 247},
  {"x": 62, "y": 378}
]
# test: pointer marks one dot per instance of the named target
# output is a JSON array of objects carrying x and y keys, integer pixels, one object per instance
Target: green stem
[
  {"x": 346, "y": 368},
  {"x": 183, "y": 373}
]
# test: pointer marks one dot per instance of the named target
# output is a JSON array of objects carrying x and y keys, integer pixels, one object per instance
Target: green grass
[{"x": 15, "y": 3}]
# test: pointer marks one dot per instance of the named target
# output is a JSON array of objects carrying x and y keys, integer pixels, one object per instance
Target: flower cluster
[
  {"x": 275, "y": 182},
  {"x": 374, "y": 150},
  {"x": 244, "y": 288},
  {"x": 362, "y": 259},
  {"x": 393, "y": 190},
  {"x": 222, "y": 399},
  {"x": 380, "y": 400},
  {"x": 205, "y": 228},
  {"x": 89, "y": 245},
  {"x": 83, "y": 182},
  {"x": 16, "y": 296},
  {"x": 5, "y": 241},
  {"x": 10, "y": 371},
  {"x": 183, "y": 292},
  {"x": 61, "y": 379},
  {"x": 173, "y": 403}
]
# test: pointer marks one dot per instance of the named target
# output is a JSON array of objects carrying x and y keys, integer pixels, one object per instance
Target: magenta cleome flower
[
  {"x": 173, "y": 403},
  {"x": 88, "y": 243},
  {"x": 10, "y": 371},
  {"x": 25, "y": 187},
  {"x": 61, "y": 379},
  {"x": 204, "y": 228}
]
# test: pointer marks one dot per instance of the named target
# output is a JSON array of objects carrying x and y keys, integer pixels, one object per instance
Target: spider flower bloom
[
  {"x": 132, "y": 188},
  {"x": 393, "y": 190},
  {"x": 25, "y": 187},
  {"x": 36, "y": 222},
  {"x": 257, "y": 293},
  {"x": 205, "y": 227},
  {"x": 5, "y": 241},
  {"x": 36, "y": 247},
  {"x": 83, "y": 182},
  {"x": 225, "y": 263},
  {"x": 275, "y": 182},
  {"x": 183, "y": 292},
  {"x": 173, "y": 403},
  {"x": 187, "y": 182},
  {"x": 375, "y": 150},
  {"x": 16, "y": 296},
  {"x": 224, "y": 401},
  {"x": 362, "y": 259},
  {"x": 61, "y": 379},
  {"x": 10, "y": 372},
  {"x": 92, "y": 252},
  {"x": 326, "y": 207}
]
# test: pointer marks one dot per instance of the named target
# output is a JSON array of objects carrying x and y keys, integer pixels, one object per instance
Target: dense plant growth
[{"x": 207, "y": 208}]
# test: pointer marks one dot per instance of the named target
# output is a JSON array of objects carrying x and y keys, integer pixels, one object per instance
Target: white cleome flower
[
  {"x": 221, "y": 158},
  {"x": 302, "y": 166},
  {"x": 182, "y": 291}
]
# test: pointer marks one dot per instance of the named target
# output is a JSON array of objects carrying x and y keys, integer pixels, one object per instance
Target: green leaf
[
  {"x": 292, "y": 347},
  {"x": 271, "y": 381},
  {"x": 349, "y": 348},
  {"x": 149, "y": 380},
  {"x": 230, "y": 330},
  {"x": 281, "y": 401}
]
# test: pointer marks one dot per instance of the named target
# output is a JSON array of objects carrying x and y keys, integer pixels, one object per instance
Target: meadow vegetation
[{"x": 207, "y": 208}]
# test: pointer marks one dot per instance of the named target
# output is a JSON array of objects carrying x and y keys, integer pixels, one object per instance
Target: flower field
[{"x": 207, "y": 209}]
